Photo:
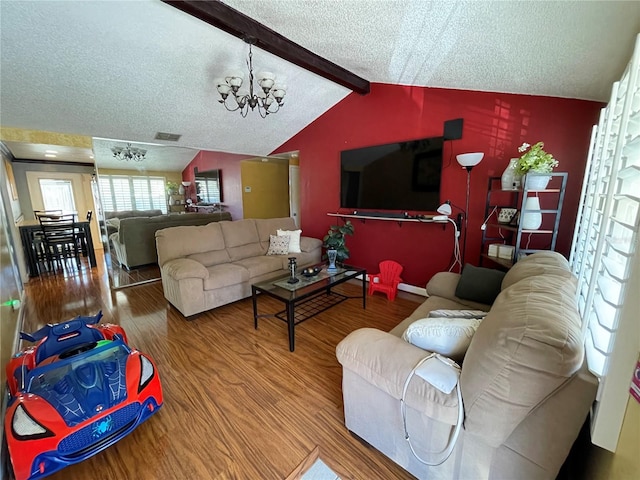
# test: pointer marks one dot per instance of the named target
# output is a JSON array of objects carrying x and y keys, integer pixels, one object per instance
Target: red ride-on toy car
[{"x": 80, "y": 389}]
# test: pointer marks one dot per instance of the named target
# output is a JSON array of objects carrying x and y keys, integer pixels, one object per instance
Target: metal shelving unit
[{"x": 512, "y": 233}]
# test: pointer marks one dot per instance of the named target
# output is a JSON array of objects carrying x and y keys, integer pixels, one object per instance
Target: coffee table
[{"x": 306, "y": 298}]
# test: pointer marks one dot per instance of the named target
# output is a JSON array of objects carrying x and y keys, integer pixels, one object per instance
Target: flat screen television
[{"x": 395, "y": 176}]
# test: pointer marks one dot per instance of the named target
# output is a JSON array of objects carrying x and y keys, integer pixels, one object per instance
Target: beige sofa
[
  {"x": 209, "y": 266},
  {"x": 134, "y": 243},
  {"x": 525, "y": 387}
]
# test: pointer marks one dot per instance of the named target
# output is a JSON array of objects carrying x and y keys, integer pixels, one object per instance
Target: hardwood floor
[{"x": 237, "y": 403}]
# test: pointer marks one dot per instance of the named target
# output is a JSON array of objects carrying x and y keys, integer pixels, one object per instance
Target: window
[
  {"x": 604, "y": 252},
  {"x": 209, "y": 186},
  {"x": 57, "y": 194},
  {"x": 120, "y": 192}
]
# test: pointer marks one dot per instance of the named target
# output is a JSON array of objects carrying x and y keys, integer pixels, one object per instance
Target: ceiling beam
[{"x": 221, "y": 16}]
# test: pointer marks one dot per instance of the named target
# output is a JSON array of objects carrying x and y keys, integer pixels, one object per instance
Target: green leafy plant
[
  {"x": 335, "y": 240},
  {"x": 534, "y": 159},
  {"x": 172, "y": 187}
]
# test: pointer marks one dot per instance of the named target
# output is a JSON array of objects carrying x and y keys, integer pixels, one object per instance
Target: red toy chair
[{"x": 387, "y": 280}]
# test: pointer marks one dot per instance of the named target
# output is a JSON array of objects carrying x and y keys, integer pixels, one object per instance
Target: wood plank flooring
[{"x": 238, "y": 404}]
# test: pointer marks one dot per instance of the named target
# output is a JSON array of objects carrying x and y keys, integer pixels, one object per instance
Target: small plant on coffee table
[{"x": 335, "y": 240}]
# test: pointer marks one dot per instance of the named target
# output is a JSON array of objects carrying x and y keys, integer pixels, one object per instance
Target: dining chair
[
  {"x": 38, "y": 237},
  {"x": 60, "y": 239},
  {"x": 82, "y": 238}
]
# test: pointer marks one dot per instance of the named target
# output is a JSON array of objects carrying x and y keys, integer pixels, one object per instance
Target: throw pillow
[
  {"x": 479, "y": 284},
  {"x": 450, "y": 337},
  {"x": 278, "y": 245},
  {"x": 457, "y": 314},
  {"x": 294, "y": 240}
]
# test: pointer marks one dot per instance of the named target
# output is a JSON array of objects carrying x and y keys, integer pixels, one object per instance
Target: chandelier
[
  {"x": 129, "y": 153},
  {"x": 268, "y": 98}
]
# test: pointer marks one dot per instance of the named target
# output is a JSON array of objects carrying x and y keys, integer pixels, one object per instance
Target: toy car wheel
[{"x": 5, "y": 465}]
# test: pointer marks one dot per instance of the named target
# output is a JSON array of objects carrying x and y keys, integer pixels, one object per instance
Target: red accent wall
[
  {"x": 494, "y": 123},
  {"x": 229, "y": 163}
]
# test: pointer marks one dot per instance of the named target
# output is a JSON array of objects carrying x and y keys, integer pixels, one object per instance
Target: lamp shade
[
  {"x": 469, "y": 159},
  {"x": 444, "y": 209}
]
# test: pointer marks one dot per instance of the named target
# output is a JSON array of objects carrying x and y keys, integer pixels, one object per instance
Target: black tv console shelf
[{"x": 363, "y": 217}]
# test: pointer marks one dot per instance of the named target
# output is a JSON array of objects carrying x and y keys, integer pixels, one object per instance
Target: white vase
[
  {"x": 510, "y": 180},
  {"x": 531, "y": 220},
  {"x": 536, "y": 181},
  {"x": 181, "y": 189}
]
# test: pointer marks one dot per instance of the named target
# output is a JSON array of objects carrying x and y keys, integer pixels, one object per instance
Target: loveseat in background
[
  {"x": 208, "y": 266},
  {"x": 135, "y": 244},
  {"x": 112, "y": 219},
  {"x": 525, "y": 386}
]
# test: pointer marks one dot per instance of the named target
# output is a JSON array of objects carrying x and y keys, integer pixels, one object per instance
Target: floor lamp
[{"x": 468, "y": 161}]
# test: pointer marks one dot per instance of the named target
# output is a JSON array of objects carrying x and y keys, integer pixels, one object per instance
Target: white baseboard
[
  {"x": 412, "y": 289},
  {"x": 407, "y": 288}
]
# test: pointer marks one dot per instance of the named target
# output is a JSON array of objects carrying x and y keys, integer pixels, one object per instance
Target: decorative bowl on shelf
[{"x": 311, "y": 271}]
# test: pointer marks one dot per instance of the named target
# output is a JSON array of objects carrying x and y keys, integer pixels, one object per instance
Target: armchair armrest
[
  {"x": 182, "y": 268},
  {"x": 443, "y": 284},
  {"x": 385, "y": 361},
  {"x": 309, "y": 244}
]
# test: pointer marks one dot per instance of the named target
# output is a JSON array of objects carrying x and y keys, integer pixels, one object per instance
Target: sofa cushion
[
  {"x": 246, "y": 251},
  {"x": 211, "y": 258},
  {"x": 294, "y": 239},
  {"x": 260, "y": 265},
  {"x": 177, "y": 242},
  {"x": 528, "y": 345},
  {"x": 278, "y": 245},
  {"x": 224, "y": 275},
  {"x": 269, "y": 226},
  {"x": 479, "y": 284},
  {"x": 447, "y": 336},
  {"x": 239, "y": 233}
]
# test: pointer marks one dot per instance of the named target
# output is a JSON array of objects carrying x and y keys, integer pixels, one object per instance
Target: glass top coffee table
[{"x": 308, "y": 297}]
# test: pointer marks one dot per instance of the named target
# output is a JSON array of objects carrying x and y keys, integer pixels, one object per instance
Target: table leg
[
  {"x": 89, "y": 246},
  {"x": 26, "y": 236},
  {"x": 254, "y": 300},
  {"x": 291, "y": 324},
  {"x": 364, "y": 290}
]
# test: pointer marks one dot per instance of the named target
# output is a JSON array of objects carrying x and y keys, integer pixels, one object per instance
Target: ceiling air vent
[{"x": 170, "y": 137}]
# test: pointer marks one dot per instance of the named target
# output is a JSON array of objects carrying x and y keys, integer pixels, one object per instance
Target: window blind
[
  {"x": 121, "y": 192},
  {"x": 605, "y": 249}
]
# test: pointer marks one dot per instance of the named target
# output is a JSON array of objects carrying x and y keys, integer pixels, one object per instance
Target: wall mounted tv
[{"x": 395, "y": 176}]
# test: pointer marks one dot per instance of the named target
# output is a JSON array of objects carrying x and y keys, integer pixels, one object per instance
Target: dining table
[{"x": 30, "y": 229}]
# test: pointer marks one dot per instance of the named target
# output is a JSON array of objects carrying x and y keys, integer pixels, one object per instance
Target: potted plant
[
  {"x": 334, "y": 241},
  {"x": 172, "y": 188},
  {"x": 535, "y": 160}
]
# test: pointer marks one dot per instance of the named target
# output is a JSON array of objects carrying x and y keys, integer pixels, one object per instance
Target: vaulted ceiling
[{"x": 125, "y": 70}]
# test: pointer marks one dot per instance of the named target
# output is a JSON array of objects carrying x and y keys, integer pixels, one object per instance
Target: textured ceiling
[{"x": 125, "y": 70}]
